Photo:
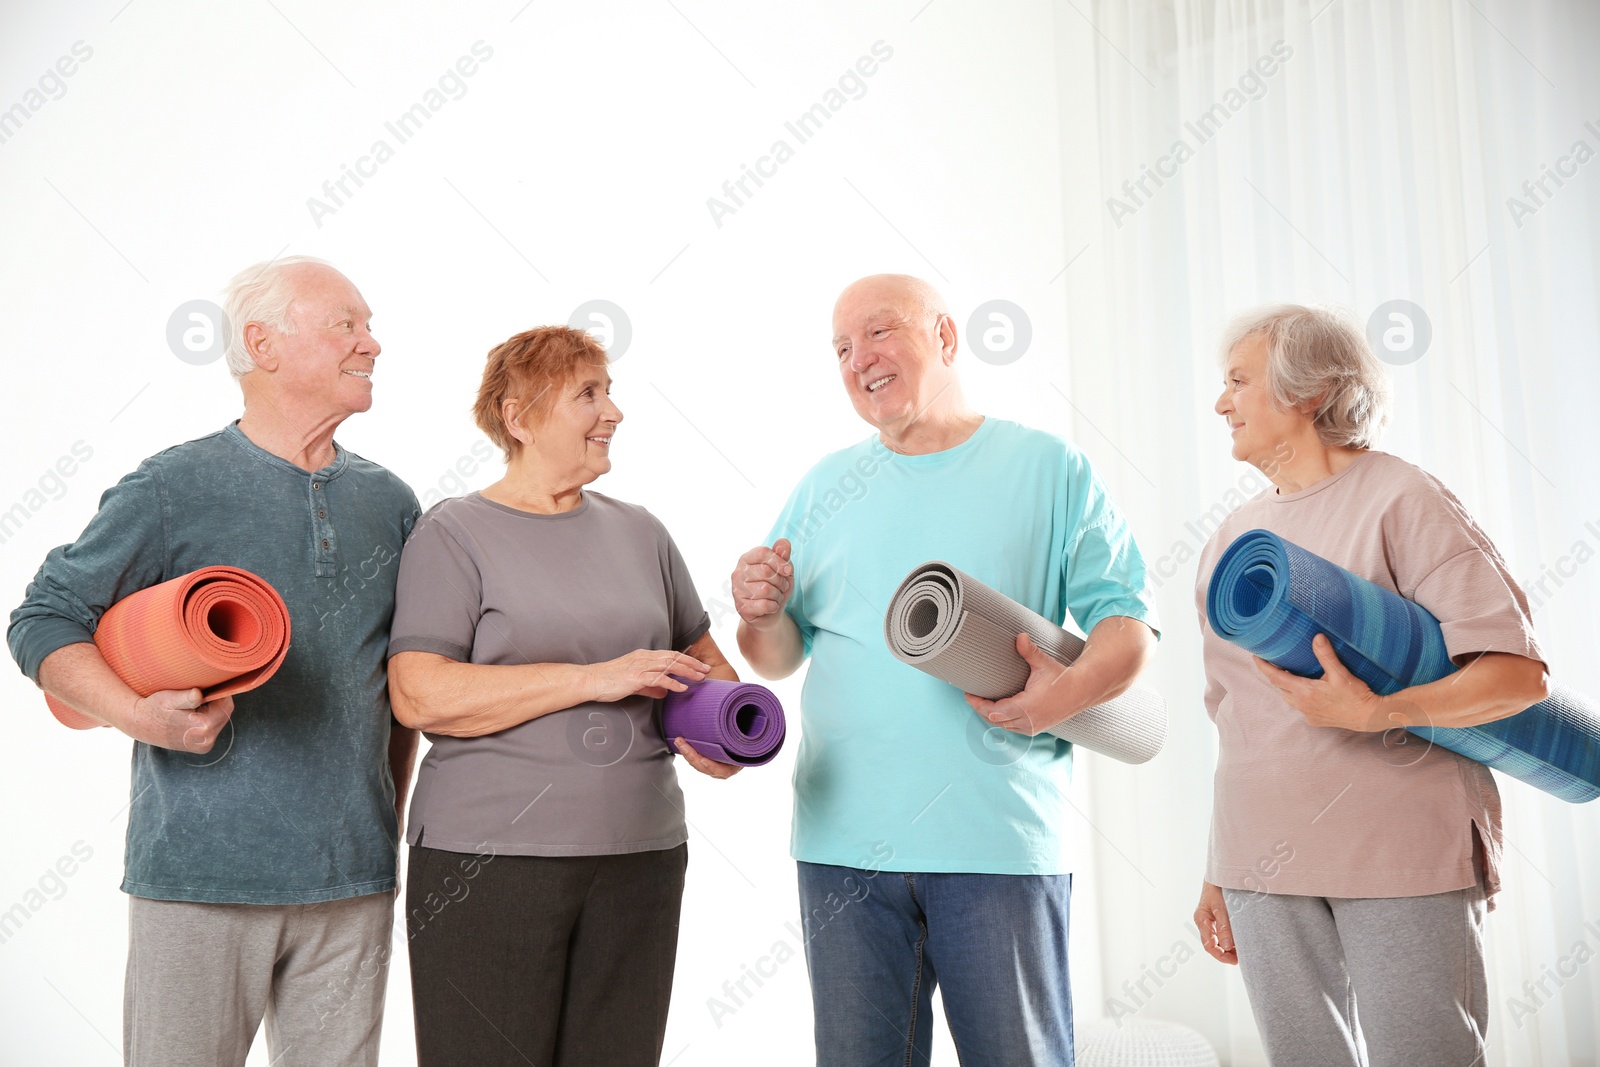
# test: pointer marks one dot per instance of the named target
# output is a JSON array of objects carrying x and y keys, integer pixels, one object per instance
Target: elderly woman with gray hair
[
  {"x": 1348, "y": 872},
  {"x": 537, "y": 623}
]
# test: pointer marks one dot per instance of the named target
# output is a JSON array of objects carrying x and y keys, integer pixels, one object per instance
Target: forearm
[
  {"x": 774, "y": 651},
  {"x": 1494, "y": 685},
  {"x": 441, "y": 696},
  {"x": 79, "y": 676},
  {"x": 706, "y": 651},
  {"x": 1117, "y": 649}
]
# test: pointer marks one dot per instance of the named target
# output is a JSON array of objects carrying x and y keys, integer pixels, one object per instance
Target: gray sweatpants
[
  {"x": 1382, "y": 982},
  {"x": 202, "y": 977}
]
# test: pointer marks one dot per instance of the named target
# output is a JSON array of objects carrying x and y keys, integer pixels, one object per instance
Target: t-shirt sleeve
[
  {"x": 1103, "y": 572},
  {"x": 690, "y": 622},
  {"x": 121, "y": 551},
  {"x": 1445, "y": 562},
  {"x": 438, "y": 597}
]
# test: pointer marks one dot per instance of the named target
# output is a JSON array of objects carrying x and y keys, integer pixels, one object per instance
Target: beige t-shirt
[{"x": 1322, "y": 811}]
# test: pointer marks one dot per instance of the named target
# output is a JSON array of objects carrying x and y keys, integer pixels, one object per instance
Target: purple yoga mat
[{"x": 730, "y": 722}]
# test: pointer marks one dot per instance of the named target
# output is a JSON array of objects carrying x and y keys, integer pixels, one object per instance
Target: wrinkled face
[
  {"x": 573, "y": 441},
  {"x": 890, "y": 354},
  {"x": 327, "y": 361},
  {"x": 1261, "y": 430}
]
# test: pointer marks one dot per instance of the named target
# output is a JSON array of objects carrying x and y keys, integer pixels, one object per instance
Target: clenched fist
[{"x": 762, "y": 582}]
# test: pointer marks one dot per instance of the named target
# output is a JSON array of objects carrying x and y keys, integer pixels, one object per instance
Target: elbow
[
  {"x": 1529, "y": 685},
  {"x": 761, "y": 657},
  {"x": 1539, "y": 685},
  {"x": 406, "y": 703},
  {"x": 406, "y": 714},
  {"x": 771, "y": 672}
]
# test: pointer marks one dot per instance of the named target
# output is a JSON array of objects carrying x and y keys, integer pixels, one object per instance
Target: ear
[
  {"x": 512, "y": 413},
  {"x": 946, "y": 329},
  {"x": 1308, "y": 408},
  {"x": 258, "y": 343}
]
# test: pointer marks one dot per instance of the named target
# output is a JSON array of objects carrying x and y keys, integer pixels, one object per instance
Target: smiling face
[
  {"x": 325, "y": 364},
  {"x": 571, "y": 442},
  {"x": 895, "y": 350},
  {"x": 1263, "y": 433}
]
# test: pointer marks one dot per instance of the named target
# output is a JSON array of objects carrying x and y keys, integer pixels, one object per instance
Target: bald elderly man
[
  {"x": 262, "y": 833},
  {"x": 929, "y": 824}
]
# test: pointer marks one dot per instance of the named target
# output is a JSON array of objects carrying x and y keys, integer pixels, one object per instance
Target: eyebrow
[
  {"x": 593, "y": 382},
  {"x": 344, "y": 310},
  {"x": 894, "y": 313}
]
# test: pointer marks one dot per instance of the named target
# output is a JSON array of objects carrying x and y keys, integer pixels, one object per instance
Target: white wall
[{"x": 576, "y": 166}]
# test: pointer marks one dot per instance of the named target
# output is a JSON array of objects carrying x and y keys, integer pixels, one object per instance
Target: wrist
[
  {"x": 589, "y": 688},
  {"x": 122, "y": 715},
  {"x": 765, "y": 624},
  {"x": 1383, "y": 715}
]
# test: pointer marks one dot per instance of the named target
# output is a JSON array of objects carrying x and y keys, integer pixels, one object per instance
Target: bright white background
[{"x": 576, "y": 164}]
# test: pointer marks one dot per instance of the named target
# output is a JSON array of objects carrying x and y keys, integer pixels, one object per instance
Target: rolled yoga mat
[
  {"x": 730, "y": 722},
  {"x": 220, "y": 629},
  {"x": 950, "y": 625},
  {"x": 1271, "y": 597}
]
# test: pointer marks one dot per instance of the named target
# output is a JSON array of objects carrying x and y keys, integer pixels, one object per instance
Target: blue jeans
[{"x": 878, "y": 942}]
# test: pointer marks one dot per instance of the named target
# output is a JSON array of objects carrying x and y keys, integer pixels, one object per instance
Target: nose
[
  {"x": 861, "y": 357},
  {"x": 611, "y": 413},
  {"x": 1222, "y": 406},
  {"x": 366, "y": 344}
]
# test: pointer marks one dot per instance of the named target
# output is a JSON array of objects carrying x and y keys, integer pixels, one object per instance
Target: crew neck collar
[
  {"x": 1317, "y": 487},
  {"x": 341, "y": 458},
  {"x": 583, "y": 506},
  {"x": 943, "y": 455}
]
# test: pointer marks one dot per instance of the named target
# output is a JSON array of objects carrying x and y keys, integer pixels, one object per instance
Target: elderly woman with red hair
[
  {"x": 1351, "y": 863},
  {"x": 537, "y": 622}
]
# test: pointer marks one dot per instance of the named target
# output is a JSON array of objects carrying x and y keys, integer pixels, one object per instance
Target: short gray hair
[
  {"x": 1319, "y": 353},
  {"x": 259, "y": 293}
]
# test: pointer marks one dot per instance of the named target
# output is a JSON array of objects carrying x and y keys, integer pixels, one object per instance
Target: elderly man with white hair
[
  {"x": 262, "y": 833},
  {"x": 930, "y": 828}
]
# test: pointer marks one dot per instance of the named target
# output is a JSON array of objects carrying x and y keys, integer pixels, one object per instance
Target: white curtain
[{"x": 1221, "y": 155}]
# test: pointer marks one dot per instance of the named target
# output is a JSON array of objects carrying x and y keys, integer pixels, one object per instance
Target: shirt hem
[
  {"x": 255, "y": 896},
  {"x": 1345, "y": 886},
  {"x": 926, "y": 865},
  {"x": 524, "y": 848}
]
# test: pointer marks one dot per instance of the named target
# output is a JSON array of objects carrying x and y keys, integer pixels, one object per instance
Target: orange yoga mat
[{"x": 220, "y": 629}]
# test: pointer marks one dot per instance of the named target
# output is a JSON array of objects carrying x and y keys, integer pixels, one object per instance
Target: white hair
[
  {"x": 1319, "y": 354},
  {"x": 260, "y": 293}
]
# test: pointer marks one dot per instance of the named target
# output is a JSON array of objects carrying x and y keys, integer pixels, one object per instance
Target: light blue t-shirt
[{"x": 895, "y": 769}]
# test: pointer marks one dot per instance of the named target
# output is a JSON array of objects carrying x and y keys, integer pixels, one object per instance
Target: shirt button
[
  {"x": 322, "y": 513},
  {"x": 324, "y": 543},
  {"x": 316, "y": 485}
]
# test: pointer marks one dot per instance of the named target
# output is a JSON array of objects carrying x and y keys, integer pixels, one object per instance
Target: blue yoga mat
[{"x": 1271, "y": 597}]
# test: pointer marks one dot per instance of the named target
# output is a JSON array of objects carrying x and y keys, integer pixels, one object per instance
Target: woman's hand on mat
[
  {"x": 1216, "y": 934},
  {"x": 762, "y": 582},
  {"x": 178, "y": 719},
  {"x": 1035, "y": 709},
  {"x": 1338, "y": 698},
  {"x": 645, "y": 672},
  {"x": 701, "y": 763}
]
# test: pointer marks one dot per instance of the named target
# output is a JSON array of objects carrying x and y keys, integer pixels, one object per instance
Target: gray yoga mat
[{"x": 952, "y": 626}]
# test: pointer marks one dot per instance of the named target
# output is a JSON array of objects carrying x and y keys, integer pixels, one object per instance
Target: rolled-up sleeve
[{"x": 121, "y": 551}]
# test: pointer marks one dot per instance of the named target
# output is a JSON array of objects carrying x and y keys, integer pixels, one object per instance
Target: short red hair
[{"x": 531, "y": 366}]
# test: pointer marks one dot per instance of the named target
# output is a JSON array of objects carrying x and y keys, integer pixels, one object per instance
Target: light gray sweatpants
[
  {"x": 1381, "y": 982},
  {"x": 202, "y": 977}
]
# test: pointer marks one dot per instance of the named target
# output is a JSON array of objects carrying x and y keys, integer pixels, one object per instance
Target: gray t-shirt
[{"x": 484, "y": 583}]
